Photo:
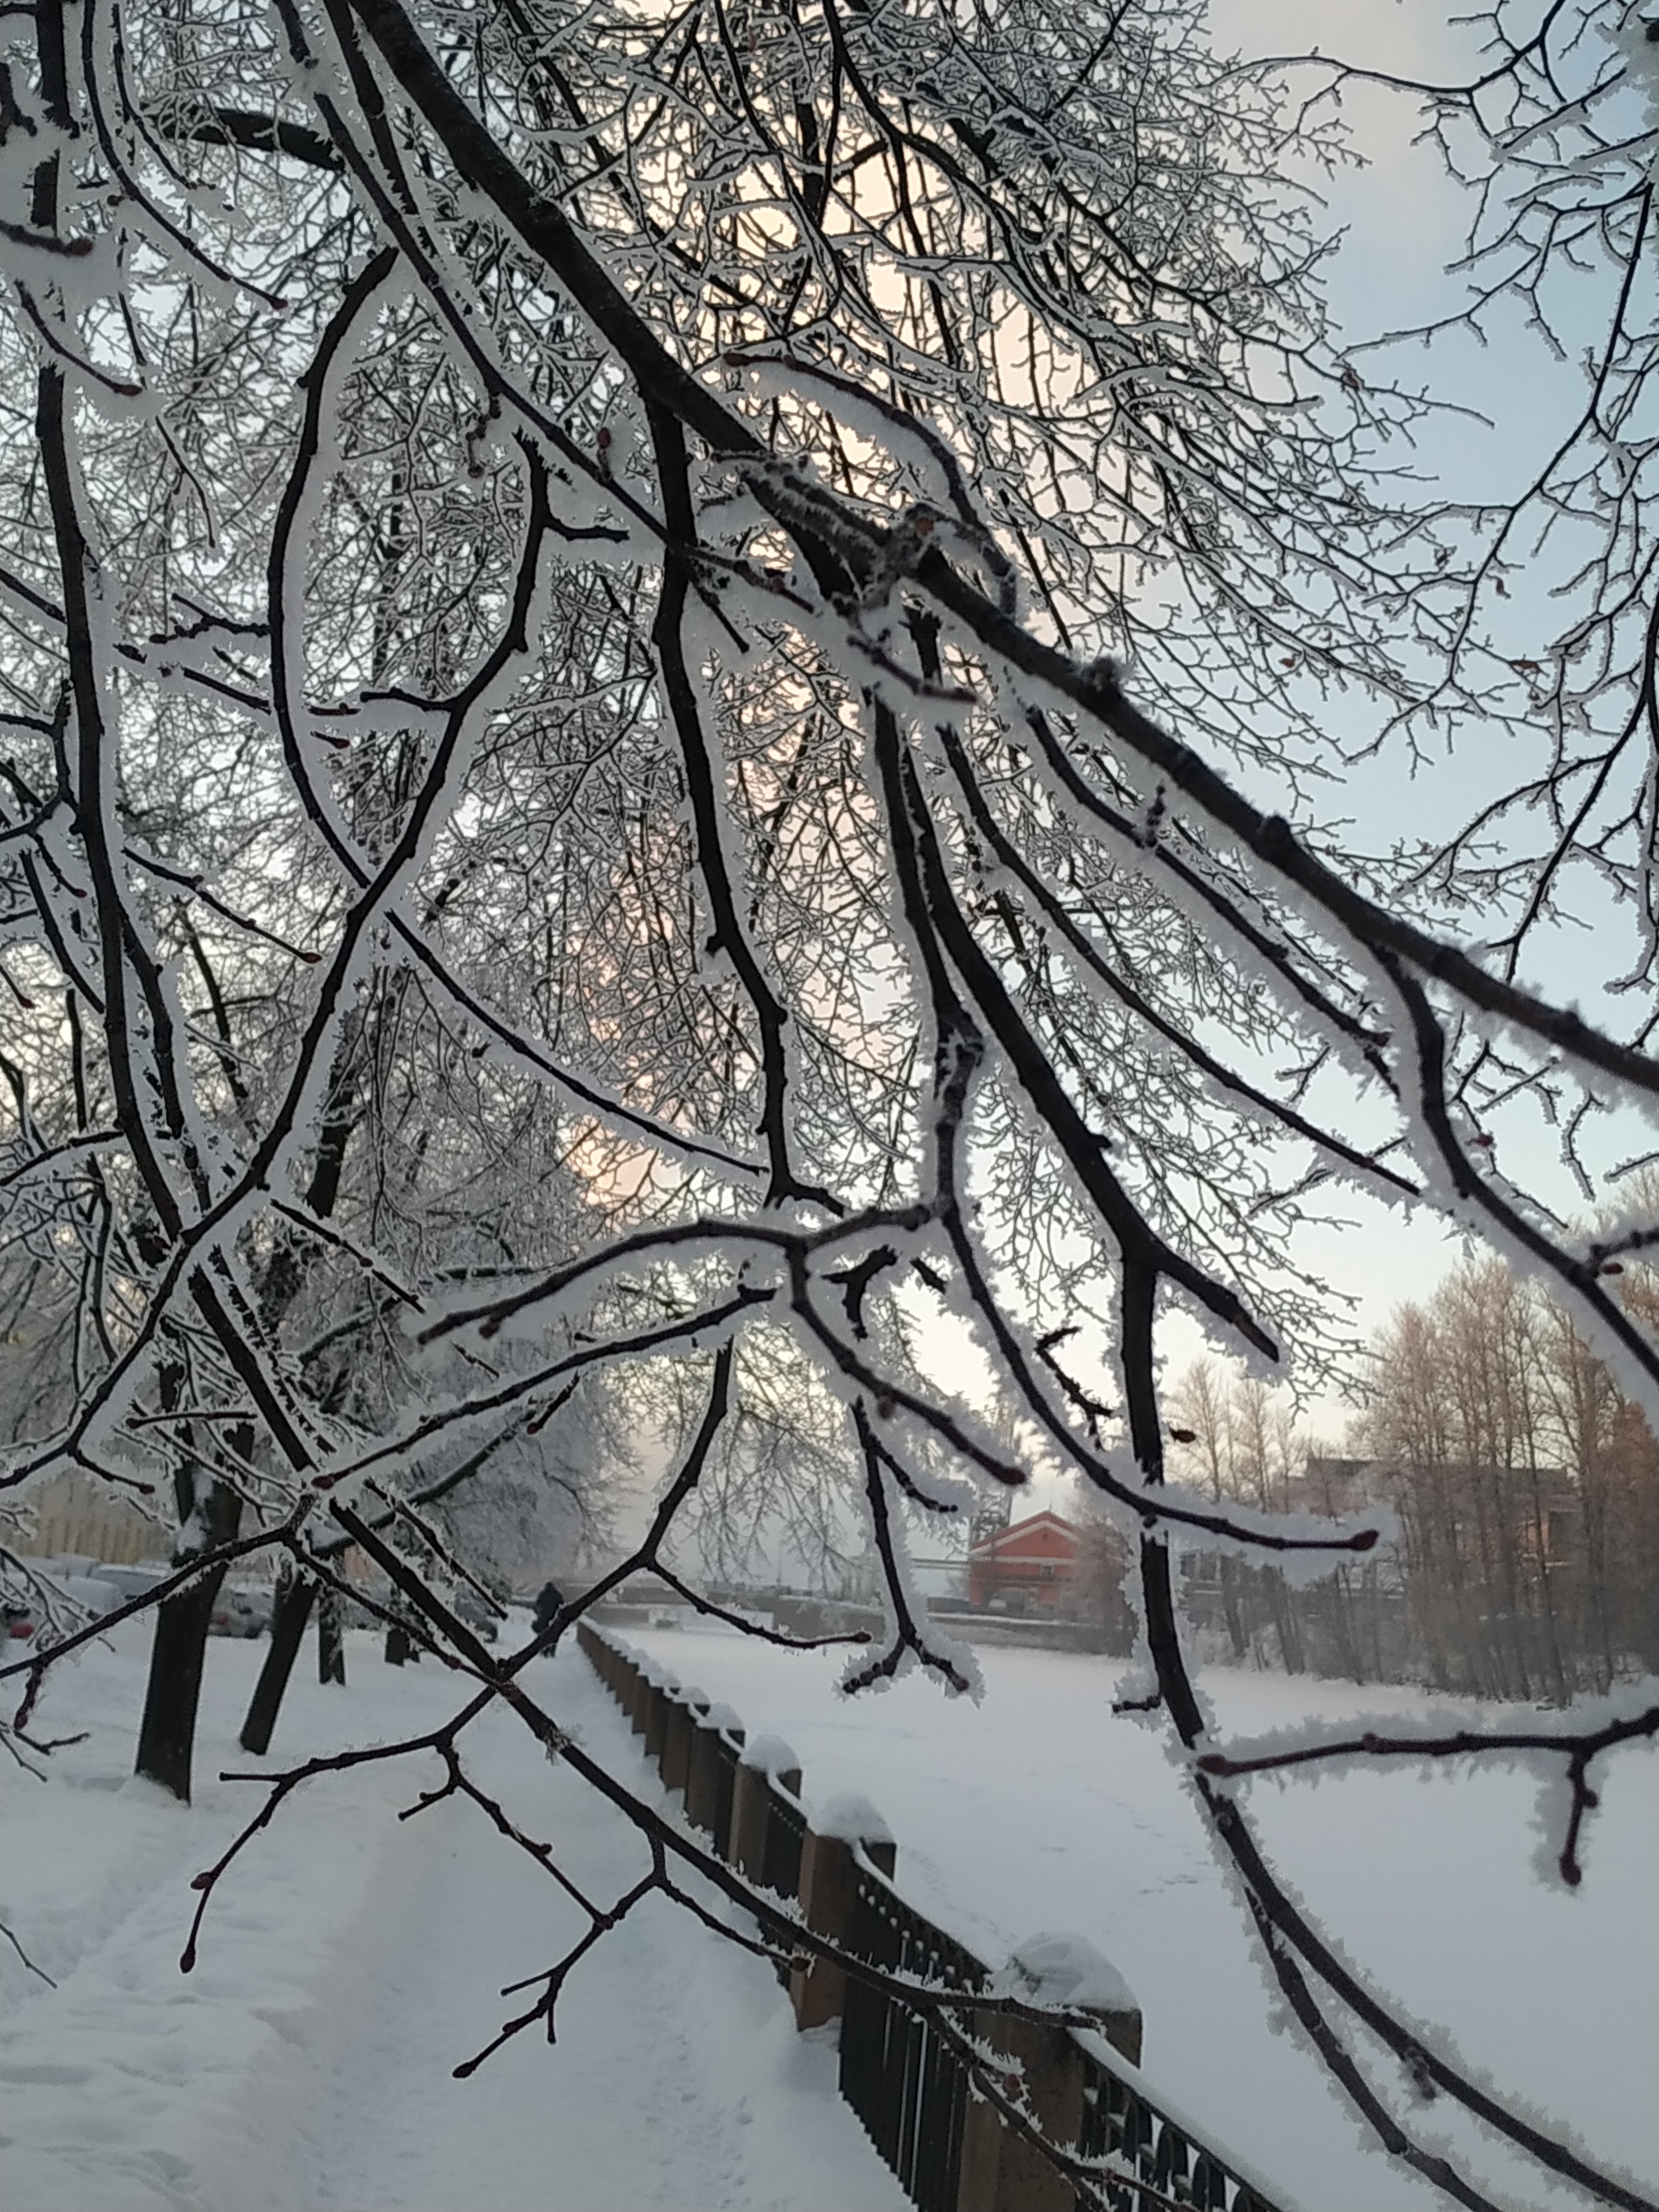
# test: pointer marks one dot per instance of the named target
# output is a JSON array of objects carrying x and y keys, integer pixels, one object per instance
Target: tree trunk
[
  {"x": 296, "y": 1593},
  {"x": 166, "y": 1736},
  {"x": 1286, "y": 1628},
  {"x": 397, "y": 1646},
  {"x": 295, "y": 1600},
  {"x": 1230, "y": 1606}
]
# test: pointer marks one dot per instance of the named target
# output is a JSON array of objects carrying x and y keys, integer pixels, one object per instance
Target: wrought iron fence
[
  {"x": 785, "y": 1832},
  {"x": 728, "y": 1750},
  {"x": 909, "y": 2087},
  {"x": 1120, "y": 2120},
  {"x": 899, "y": 2075},
  {"x": 904, "y": 2079}
]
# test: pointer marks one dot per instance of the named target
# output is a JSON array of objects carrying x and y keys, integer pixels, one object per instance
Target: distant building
[
  {"x": 1334, "y": 1486},
  {"x": 72, "y": 1514},
  {"x": 1537, "y": 1509},
  {"x": 1029, "y": 1566}
]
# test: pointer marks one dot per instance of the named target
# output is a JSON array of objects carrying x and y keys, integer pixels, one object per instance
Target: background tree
[{"x": 1527, "y": 1488}]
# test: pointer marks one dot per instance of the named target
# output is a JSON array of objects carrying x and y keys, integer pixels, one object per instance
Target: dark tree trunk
[
  {"x": 297, "y": 1593},
  {"x": 1286, "y": 1627},
  {"x": 1230, "y": 1607},
  {"x": 397, "y": 1646},
  {"x": 167, "y": 1733},
  {"x": 295, "y": 1600},
  {"x": 331, "y": 1640}
]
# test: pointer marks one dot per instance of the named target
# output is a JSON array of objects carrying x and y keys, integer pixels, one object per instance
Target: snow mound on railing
[
  {"x": 772, "y": 1755},
  {"x": 851, "y": 1818},
  {"x": 1059, "y": 1968}
]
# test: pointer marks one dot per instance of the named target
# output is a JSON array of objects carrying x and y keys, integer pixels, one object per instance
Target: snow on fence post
[
  {"x": 1001, "y": 2170},
  {"x": 730, "y": 1743},
  {"x": 705, "y": 1768},
  {"x": 829, "y": 1898}
]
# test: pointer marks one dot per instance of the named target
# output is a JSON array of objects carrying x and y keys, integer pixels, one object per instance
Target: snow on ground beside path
[
  {"x": 1039, "y": 1809},
  {"x": 352, "y": 1960}
]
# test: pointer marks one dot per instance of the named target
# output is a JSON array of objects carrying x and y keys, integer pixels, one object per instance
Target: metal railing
[
  {"x": 899, "y": 2075},
  {"x": 906, "y": 2081},
  {"x": 1121, "y": 2121},
  {"x": 910, "y": 2088},
  {"x": 728, "y": 1750},
  {"x": 786, "y": 1833}
]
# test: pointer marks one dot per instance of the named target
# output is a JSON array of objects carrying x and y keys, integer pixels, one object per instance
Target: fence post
[
  {"x": 657, "y": 1710},
  {"x": 638, "y": 1697},
  {"x": 829, "y": 1898},
  {"x": 763, "y": 1758},
  {"x": 702, "y": 1770},
  {"x": 1001, "y": 2170},
  {"x": 679, "y": 1729}
]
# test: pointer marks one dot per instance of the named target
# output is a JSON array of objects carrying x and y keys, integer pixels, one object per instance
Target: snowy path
[
  {"x": 305, "y": 2065},
  {"x": 678, "y": 2080}
]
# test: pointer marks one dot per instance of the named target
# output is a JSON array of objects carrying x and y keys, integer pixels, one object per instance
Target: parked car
[
  {"x": 23, "y": 1617},
  {"x": 135, "y": 1581},
  {"x": 240, "y": 1611},
  {"x": 91, "y": 1592}
]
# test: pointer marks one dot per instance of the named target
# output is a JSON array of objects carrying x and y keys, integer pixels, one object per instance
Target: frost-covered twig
[{"x": 1576, "y": 1747}]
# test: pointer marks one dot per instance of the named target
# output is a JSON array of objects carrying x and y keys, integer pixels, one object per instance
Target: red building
[{"x": 1027, "y": 1567}]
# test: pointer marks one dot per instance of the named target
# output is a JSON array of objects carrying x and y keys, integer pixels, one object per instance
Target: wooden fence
[{"x": 902, "y": 2068}]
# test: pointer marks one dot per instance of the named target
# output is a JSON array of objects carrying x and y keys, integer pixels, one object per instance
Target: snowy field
[
  {"x": 352, "y": 1961},
  {"x": 1039, "y": 1809}
]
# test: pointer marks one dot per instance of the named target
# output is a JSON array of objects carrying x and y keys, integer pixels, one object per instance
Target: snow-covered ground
[
  {"x": 1038, "y": 1809},
  {"x": 352, "y": 1960}
]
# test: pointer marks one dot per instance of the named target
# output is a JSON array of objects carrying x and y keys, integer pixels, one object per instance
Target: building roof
[{"x": 1015, "y": 1538}]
